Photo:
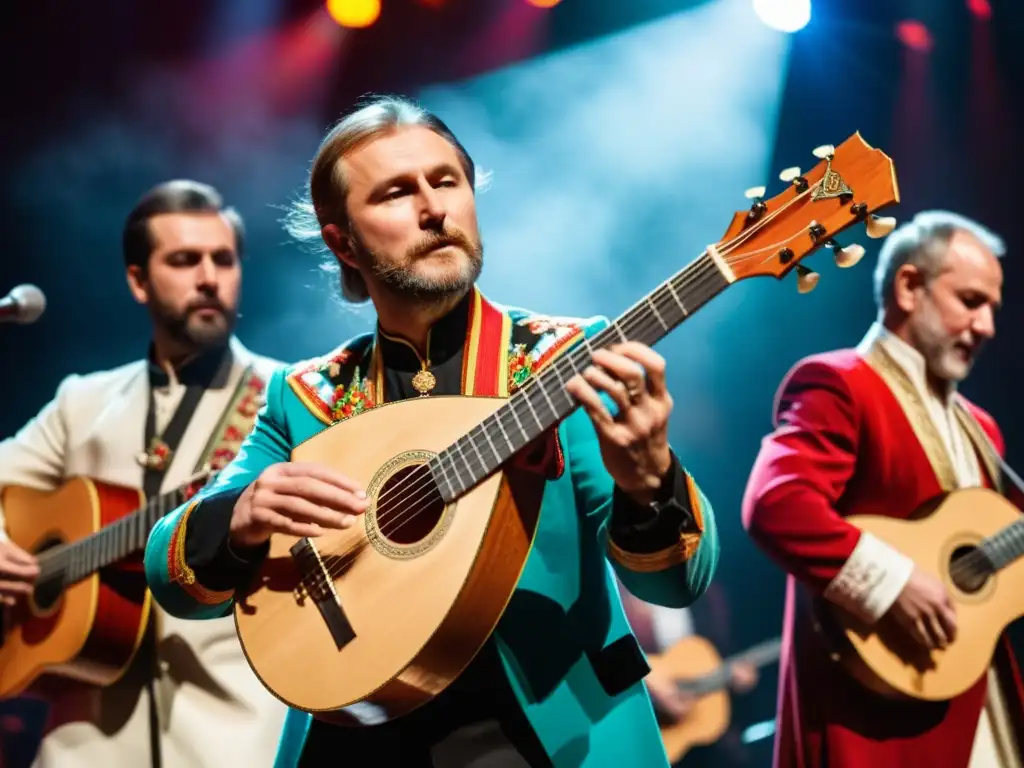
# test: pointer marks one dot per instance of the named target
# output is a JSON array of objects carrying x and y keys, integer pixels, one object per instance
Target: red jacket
[{"x": 844, "y": 445}]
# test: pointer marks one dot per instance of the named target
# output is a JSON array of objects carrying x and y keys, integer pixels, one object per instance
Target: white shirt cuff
[{"x": 870, "y": 580}]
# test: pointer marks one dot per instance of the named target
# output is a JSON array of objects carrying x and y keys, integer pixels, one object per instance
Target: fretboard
[
  {"x": 760, "y": 655},
  {"x": 543, "y": 401},
  {"x": 70, "y": 563},
  {"x": 1006, "y": 546}
]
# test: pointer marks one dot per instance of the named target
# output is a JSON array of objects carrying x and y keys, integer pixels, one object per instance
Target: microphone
[{"x": 23, "y": 305}]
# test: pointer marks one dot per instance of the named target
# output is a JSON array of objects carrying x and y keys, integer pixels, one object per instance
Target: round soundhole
[
  {"x": 969, "y": 568},
  {"x": 49, "y": 587},
  {"x": 409, "y": 507}
]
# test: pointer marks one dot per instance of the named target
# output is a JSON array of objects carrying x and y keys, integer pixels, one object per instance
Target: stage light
[
  {"x": 982, "y": 9},
  {"x": 914, "y": 35},
  {"x": 354, "y": 13},
  {"x": 784, "y": 15},
  {"x": 544, "y": 3}
]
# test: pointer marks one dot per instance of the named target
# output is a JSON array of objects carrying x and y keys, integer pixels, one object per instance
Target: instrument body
[
  {"x": 90, "y": 630},
  {"x": 697, "y": 668},
  {"x": 422, "y": 609},
  {"x": 939, "y": 535}
]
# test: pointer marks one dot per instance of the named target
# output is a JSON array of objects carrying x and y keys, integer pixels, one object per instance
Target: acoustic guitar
[
  {"x": 697, "y": 669},
  {"x": 88, "y": 611},
  {"x": 366, "y": 624},
  {"x": 972, "y": 541}
]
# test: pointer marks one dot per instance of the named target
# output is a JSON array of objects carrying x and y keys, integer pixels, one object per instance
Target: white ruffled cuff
[{"x": 870, "y": 580}]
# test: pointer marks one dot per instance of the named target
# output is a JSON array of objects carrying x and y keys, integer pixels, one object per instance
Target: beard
[
  {"x": 192, "y": 330},
  {"x": 944, "y": 353},
  {"x": 402, "y": 279}
]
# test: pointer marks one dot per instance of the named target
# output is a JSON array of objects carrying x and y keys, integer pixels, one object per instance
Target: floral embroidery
[
  {"x": 352, "y": 400},
  {"x": 520, "y": 366},
  {"x": 334, "y": 366},
  {"x": 316, "y": 382},
  {"x": 541, "y": 324}
]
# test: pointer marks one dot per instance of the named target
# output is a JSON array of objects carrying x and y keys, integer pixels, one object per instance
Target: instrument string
[
  {"x": 706, "y": 275},
  {"x": 711, "y": 273}
]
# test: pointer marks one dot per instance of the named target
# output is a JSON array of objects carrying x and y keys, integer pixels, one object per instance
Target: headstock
[{"x": 849, "y": 183}]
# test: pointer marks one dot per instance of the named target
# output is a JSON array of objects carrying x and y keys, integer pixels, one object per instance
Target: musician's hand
[
  {"x": 634, "y": 444},
  {"x": 924, "y": 611},
  {"x": 671, "y": 705},
  {"x": 296, "y": 498},
  {"x": 17, "y": 570},
  {"x": 743, "y": 677}
]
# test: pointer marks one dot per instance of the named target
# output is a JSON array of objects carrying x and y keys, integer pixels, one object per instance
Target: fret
[
  {"x": 515, "y": 417},
  {"x": 504, "y": 434},
  {"x": 536, "y": 418},
  {"x": 472, "y": 444},
  {"x": 487, "y": 437},
  {"x": 675, "y": 296},
  {"x": 654, "y": 310},
  {"x": 132, "y": 529},
  {"x": 462, "y": 456},
  {"x": 551, "y": 405}
]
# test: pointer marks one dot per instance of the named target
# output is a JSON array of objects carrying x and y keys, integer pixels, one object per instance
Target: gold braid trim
[
  {"x": 677, "y": 554},
  {"x": 183, "y": 575}
]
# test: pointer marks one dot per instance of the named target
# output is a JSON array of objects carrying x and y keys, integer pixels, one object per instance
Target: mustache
[
  {"x": 207, "y": 303},
  {"x": 433, "y": 240}
]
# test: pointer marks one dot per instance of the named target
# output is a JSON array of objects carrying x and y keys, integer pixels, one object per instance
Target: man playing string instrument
[
  {"x": 881, "y": 429},
  {"x": 393, "y": 197},
  {"x": 152, "y": 424}
]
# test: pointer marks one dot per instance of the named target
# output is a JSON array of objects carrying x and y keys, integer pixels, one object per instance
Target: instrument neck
[
  {"x": 1004, "y": 547},
  {"x": 759, "y": 656},
  {"x": 70, "y": 563},
  {"x": 543, "y": 401}
]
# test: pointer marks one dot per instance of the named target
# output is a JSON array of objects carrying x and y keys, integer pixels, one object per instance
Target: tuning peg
[
  {"x": 788, "y": 174},
  {"x": 848, "y": 256},
  {"x": 806, "y": 279},
  {"x": 880, "y": 226},
  {"x": 754, "y": 193},
  {"x": 825, "y": 150}
]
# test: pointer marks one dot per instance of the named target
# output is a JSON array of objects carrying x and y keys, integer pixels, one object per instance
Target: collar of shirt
[
  {"x": 910, "y": 360},
  {"x": 207, "y": 369},
  {"x": 446, "y": 340}
]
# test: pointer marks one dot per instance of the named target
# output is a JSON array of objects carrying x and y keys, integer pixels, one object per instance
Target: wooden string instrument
[
  {"x": 366, "y": 624},
  {"x": 972, "y": 540},
  {"x": 87, "y": 613},
  {"x": 697, "y": 669}
]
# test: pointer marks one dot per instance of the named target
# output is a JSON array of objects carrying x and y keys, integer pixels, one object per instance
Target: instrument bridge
[{"x": 320, "y": 587}]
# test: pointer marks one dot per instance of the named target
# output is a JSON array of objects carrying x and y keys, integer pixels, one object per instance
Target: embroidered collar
[{"x": 910, "y": 360}]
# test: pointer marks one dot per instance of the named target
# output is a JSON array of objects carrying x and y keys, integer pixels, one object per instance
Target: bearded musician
[
  {"x": 881, "y": 429},
  {"x": 559, "y": 682},
  {"x": 153, "y": 424}
]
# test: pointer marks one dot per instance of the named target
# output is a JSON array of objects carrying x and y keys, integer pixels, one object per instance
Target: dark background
[{"x": 106, "y": 98}]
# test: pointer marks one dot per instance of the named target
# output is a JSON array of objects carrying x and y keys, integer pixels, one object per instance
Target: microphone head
[{"x": 31, "y": 303}]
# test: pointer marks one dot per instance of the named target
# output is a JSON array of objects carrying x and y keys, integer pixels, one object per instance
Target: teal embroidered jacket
[{"x": 572, "y": 663}]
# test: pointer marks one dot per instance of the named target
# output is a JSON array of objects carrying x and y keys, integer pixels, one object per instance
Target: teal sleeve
[
  {"x": 187, "y": 554},
  {"x": 678, "y": 568}
]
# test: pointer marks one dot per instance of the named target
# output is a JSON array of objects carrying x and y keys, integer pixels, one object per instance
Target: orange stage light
[{"x": 354, "y": 13}]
